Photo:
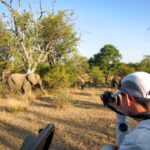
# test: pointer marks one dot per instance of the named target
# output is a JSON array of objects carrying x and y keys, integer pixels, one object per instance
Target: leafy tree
[
  {"x": 107, "y": 59},
  {"x": 144, "y": 65},
  {"x": 64, "y": 74},
  {"x": 76, "y": 66},
  {"x": 146, "y": 59},
  {"x": 36, "y": 38},
  {"x": 124, "y": 69},
  {"x": 60, "y": 27},
  {"x": 56, "y": 77},
  {"x": 96, "y": 76},
  {"x": 6, "y": 42},
  {"x": 134, "y": 65}
]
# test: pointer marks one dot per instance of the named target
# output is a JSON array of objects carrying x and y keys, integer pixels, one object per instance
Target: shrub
[
  {"x": 96, "y": 76},
  {"x": 56, "y": 77},
  {"x": 61, "y": 98}
]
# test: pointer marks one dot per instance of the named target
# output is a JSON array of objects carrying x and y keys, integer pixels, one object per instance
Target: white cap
[{"x": 137, "y": 84}]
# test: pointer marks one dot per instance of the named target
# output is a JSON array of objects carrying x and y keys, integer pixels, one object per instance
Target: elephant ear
[
  {"x": 32, "y": 79},
  {"x": 38, "y": 79}
]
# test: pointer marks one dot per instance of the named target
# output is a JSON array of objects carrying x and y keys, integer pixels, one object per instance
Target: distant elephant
[
  {"x": 24, "y": 82},
  {"x": 81, "y": 83},
  {"x": 116, "y": 83}
]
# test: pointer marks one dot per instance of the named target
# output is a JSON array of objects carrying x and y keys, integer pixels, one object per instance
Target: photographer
[{"x": 133, "y": 100}]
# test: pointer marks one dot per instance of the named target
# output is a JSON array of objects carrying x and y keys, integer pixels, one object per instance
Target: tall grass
[
  {"x": 13, "y": 105},
  {"x": 61, "y": 98}
]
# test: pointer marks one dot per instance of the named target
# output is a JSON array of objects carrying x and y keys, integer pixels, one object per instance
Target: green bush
[
  {"x": 64, "y": 73},
  {"x": 56, "y": 77},
  {"x": 96, "y": 76},
  {"x": 123, "y": 70},
  {"x": 61, "y": 98}
]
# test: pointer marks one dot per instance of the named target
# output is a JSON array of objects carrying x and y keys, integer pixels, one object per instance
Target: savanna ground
[{"x": 82, "y": 125}]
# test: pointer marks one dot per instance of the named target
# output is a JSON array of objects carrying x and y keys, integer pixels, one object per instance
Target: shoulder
[{"x": 138, "y": 138}]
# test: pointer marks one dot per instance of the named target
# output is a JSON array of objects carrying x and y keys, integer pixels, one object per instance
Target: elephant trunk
[
  {"x": 40, "y": 86},
  {"x": 43, "y": 90}
]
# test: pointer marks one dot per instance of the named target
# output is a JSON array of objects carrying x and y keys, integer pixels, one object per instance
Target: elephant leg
[
  {"x": 11, "y": 85},
  {"x": 78, "y": 86},
  {"x": 26, "y": 87},
  {"x": 82, "y": 86}
]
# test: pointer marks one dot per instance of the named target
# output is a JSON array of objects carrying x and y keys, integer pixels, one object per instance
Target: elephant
[
  {"x": 24, "y": 82},
  {"x": 116, "y": 82},
  {"x": 81, "y": 83}
]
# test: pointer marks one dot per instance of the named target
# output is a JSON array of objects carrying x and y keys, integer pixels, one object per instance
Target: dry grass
[
  {"x": 84, "y": 125},
  {"x": 13, "y": 105}
]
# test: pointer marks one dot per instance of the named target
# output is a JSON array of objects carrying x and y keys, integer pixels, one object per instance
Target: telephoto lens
[
  {"x": 112, "y": 101},
  {"x": 107, "y": 98}
]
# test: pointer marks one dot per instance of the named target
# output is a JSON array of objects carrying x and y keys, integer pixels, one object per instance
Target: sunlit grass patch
[
  {"x": 80, "y": 119},
  {"x": 13, "y": 105},
  {"x": 61, "y": 99}
]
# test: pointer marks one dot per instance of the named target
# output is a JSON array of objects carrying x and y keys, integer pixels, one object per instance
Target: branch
[
  {"x": 30, "y": 8},
  {"x": 37, "y": 62},
  {"x": 24, "y": 50},
  {"x": 50, "y": 45},
  {"x": 19, "y": 3},
  {"x": 51, "y": 60},
  {"x": 41, "y": 11},
  {"x": 7, "y": 5},
  {"x": 42, "y": 57},
  {"x": 53, "y": 5},
  {"x": 10, "y": 8},
  {"x": 49, "y": 49}
]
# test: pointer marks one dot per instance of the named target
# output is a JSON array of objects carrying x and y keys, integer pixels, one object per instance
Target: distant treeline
[{"x": 48, "y": 46}]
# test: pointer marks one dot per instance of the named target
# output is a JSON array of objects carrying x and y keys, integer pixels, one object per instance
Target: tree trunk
[{"x": 29, "y": 70}]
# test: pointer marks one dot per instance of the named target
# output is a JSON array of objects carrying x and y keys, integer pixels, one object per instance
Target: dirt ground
[{"x": 84, "y": 125}]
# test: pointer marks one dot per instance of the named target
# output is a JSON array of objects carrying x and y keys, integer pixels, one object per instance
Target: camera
[
  {"x": 112, "y": 101},
  {"x": 108, "y": 98}
]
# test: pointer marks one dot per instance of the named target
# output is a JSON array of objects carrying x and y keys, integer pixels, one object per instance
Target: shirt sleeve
[
  {"x": 128, "y": 146},
  {"x": 122, "y": 128}
]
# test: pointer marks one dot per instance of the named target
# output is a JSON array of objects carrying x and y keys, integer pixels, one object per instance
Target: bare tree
[{"x": 25, "y": 31}]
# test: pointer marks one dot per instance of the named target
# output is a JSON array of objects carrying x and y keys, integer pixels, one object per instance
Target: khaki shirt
[{"x": 133, "y": 139}]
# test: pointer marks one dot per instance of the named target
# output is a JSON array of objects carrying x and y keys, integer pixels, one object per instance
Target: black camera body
[
  {"x": 112, "y": 101},
  {"x": 107, "y": 98}
]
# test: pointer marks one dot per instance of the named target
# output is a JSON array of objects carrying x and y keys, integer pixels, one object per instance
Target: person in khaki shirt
[{"x": 133, "y": 100}]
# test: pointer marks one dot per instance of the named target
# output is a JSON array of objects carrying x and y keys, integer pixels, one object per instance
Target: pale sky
[{"x": 122, "y": 23}]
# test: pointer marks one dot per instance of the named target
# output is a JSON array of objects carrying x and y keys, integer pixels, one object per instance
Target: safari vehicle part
[{"x": 42, "y": 141}]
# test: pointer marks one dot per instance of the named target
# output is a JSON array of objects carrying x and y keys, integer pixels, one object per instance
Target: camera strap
[{"x": 143, "y": 116}]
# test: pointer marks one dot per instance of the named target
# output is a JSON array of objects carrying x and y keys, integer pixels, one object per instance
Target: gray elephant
[
  {"x": 80, "y": 83},
  {"x": 24, "y": 82},
  {"x": 116, "y": 83}
]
